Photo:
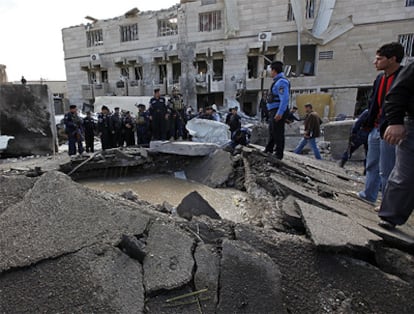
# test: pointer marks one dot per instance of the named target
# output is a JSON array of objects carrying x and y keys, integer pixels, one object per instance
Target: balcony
[
  {"x": 87, "y": 91},
  {"x": 136, "y": 88},
  {"x": 100, "y": 89}
]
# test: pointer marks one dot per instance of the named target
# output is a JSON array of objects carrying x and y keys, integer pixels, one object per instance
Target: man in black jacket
[{"x": 398, "y": 200}]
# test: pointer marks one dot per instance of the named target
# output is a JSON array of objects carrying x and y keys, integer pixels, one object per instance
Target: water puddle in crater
[{"x": 229, "y": 203}]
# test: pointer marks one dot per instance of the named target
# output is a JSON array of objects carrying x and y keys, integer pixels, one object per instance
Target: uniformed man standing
[
  {"x": 176, "y": 105},
  {"x": 89, "y": 126},
  {"x": 105, "y": 129},
  {"x": 116, "y": 118},
  {"x": 74, "y": 129},
  {"x": 277, "y": 106},
  {"x": 143, "y": 126},
  {"x": 158, "y": 116}
]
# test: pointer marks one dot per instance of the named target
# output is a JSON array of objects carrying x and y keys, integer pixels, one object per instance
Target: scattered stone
[
  {"x": 133, "y": 247},
  {"x": 97, "y": 279},
  {"x": 13, "y": 189},
  {"x": 334, "y": 232},
  {"x": 291, "y": 213},
  {"x": 250, "y": 282},
  {"x": 396, "y": 262},
  {"x": 169, "y": 261},
  {"x": 195, "y": 205}
]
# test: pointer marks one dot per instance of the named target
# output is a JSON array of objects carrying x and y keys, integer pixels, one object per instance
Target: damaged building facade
[{"x": 216, "y": 51}]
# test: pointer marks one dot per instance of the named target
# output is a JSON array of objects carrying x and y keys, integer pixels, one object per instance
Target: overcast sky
[{"x": 31, "y": 31}]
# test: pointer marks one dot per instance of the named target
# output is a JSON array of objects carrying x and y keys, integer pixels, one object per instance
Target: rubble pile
[{"x": 310, "y": 246}]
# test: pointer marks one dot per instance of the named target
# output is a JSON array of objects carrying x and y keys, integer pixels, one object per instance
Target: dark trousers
[
  {"x": 398, "y": 199},
  {"x": 73, "y": 141},
  {"x": 159, "y": 126},
  {"x": 89, "y": 138},
  {"x": 276, "y": 135}
]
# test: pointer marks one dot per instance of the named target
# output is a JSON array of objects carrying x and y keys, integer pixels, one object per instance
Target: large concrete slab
[
  {"x": 183, "y": 148},
  {"x": 99, "y": 279},
  {"x": 213, "y": 170},
  {"x": 334, "y": 232},
  {"x": 169, "y": 261},
  {"x": 13, "y": 189},
  {"x": 250, "y": 282},
  {"x": 58, "y": 216}
]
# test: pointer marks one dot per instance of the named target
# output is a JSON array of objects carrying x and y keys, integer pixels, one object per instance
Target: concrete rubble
[{"x": 308, "y": 245}]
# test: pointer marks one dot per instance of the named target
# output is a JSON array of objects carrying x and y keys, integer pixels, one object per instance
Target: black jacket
[
  {"x": 373, "y": 106},
  {"x": 399, "y": 101}
]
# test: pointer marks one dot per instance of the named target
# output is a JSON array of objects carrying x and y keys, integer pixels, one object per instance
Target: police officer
[
  {"x": 176, "y": 106},
  {"x": 277, "y": 106},
  {"x": 128, "y": 125},
  {"x": 105, "y": 129},
  {"x": 89, "y": 126},
  {"x": 116, "y": 118},
  {"x": 143, "y": 126},
  {"x": 74, "y": 129},
  {"x": 158, "y": 116}
]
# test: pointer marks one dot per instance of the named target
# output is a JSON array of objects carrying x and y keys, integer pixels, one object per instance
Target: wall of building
[{"x": 350, "y": 64}]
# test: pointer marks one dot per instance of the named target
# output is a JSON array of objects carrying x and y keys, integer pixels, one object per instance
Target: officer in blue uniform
[
  {"x": 105, "y": 128},
  {"x": 74, "y": 130},
  {"x": 277, "y": 106}
]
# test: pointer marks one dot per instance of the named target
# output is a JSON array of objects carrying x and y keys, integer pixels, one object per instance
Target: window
[
  {"x": 167, "y": 27},
  {"x": 94, "y": 38},
  {"x": 409, "y": 3},
  {"x": 209, "y": 21},
  {"x": 217, "y": 69},
  {"x": 303, "y": 67},
  {"x": 138, "y": 73},
  {"x": 125, "y": 72},
  {"x": 129, "y": 32},
  {"x": 252, "y": 64},
  {"x": 309, "y": 12},
  {"x": 290, "y": 16},
  {"x": 176, "y": 72},
  {"x": 206, "y": 2},
  {"x": 162, "y": 70},
  {"x": 407, "y": 40}
]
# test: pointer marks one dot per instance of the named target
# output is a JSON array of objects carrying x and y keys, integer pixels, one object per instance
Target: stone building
[{"x": 216, "y": 51}]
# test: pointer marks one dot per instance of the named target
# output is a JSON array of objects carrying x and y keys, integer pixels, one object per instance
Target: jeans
[
  {"x": 312, "y": 143},
  {"x": 380, "y": 161}
]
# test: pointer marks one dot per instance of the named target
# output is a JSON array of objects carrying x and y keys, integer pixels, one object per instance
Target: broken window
[
  {"x": 162, "y": 73},
  {"x": 252, "y": 66},
  {"x": 129, "y": 32},
  {"x": 217, "y": 69},
  {"x": 104, "y": 76},
  {"x": 138, "y": 73},
  {"x": 168, "y": 27},
  {"x": 409, "y": 3},
  {"x": 303, "y": 67},
  {"x": 209, "y": 21},
  {"x": 176, "y": 72},
  {"x": 309, "y": 10},
  {"x": 407, "y": 40},
  {"x": 94, "y": 38}
]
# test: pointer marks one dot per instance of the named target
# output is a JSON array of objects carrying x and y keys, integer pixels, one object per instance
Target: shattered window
[
  {"x": 407, "y": 40},
  {"x": 206, "y": 2},
  {"x": 209, "y": 21},
  {"x": 94, "y": 38},
  {"x": 309, "y": 12},
  {"x": 167, "y": 27},
  {"x": 129, "y": 32},
  {"x": 409, "y": 3}
]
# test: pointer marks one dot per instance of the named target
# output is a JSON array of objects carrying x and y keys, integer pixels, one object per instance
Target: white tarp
[
  {"x": 208, "y": 131},
  {"x": 4, "y": 140}
]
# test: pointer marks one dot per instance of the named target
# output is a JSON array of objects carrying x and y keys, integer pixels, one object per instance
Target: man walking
[
  {"x": 312, "y": 131},
  {"x": 381, "y": 155},
  {"x": 277, "y": 106},
  {"x": 398, "y": 199}
]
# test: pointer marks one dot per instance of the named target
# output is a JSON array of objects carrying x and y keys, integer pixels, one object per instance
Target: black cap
[
  {"x": 105, "y": 108},
  {"x": 72, "y": 107},
  {"x": 141, "y": 105},
  {"x": 156, "y": 90},
  {"x": 116, "y": 108},
  {"x": 308, "y": 105}
]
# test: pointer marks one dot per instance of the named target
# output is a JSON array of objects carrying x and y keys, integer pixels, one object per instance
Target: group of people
[{"x": 386, "y": 129}]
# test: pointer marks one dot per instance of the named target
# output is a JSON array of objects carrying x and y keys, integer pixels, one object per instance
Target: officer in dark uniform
[
  {"x": 89, "y": 126},
  {"x": 158, "y": 116},
  {"x": 128, "y": 125},
  {"x": 74, "y": 129},
  {"x": 116, "y": 118},
  {"x": 105, "y": 129},
  {"x": 176, "y": 106},
  {"x": 143, "y": 126}
]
